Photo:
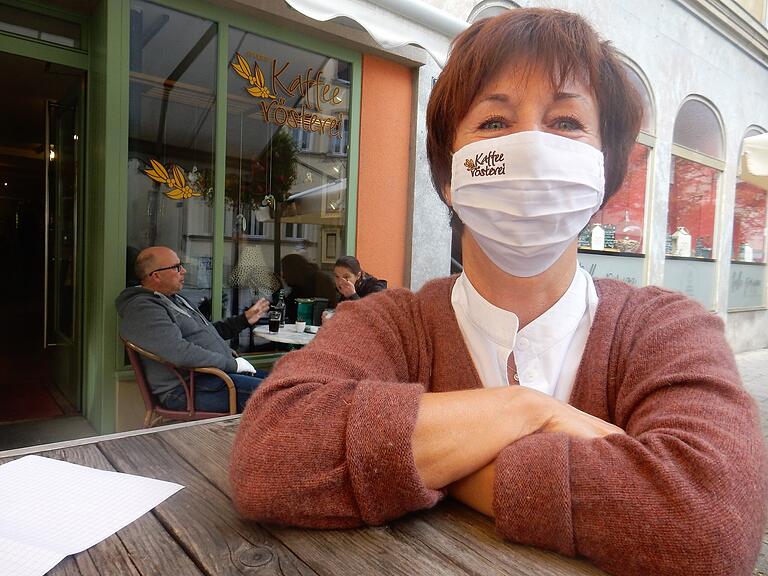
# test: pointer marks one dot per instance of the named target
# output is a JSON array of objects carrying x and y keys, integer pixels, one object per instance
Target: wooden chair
[{"x": 156, "y": 411}]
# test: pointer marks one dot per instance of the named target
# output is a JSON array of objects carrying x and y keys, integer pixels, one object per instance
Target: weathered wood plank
[
  {"x": 200, "y": 516},
  {"x": 141, "y": 548},
  {"x": 77, "y": 565},
  {"x": 333, "y": 552},
  {"x": 470, "y": 539},
  {"x": 207, "y": 449},
  {"x": 451, "y": 531}
]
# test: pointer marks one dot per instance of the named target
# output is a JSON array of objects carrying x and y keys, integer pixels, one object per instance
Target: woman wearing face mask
[
  {"x": 352, "y": 282},
  {"x": 629, "y": 439}
]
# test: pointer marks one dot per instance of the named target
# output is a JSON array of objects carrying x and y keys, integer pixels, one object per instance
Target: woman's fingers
[{"x": 566, "y": 418}]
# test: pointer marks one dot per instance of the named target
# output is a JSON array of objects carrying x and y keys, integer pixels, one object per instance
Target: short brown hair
[{"x": 560, "y": 42}]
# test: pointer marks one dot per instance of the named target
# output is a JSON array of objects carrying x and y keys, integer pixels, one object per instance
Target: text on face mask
[{"x": 486, "y": 164}]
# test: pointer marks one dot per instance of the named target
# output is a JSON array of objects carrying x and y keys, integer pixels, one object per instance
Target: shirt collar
[
  {"x": 501, "y": 326},
  {"x": 498, "y": 325}
]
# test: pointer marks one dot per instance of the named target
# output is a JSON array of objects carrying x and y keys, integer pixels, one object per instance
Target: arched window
[
  {"x": 618, "y": 229},
  {"x": 697, "y": 163},
  {"x": 747, "y": 282}
]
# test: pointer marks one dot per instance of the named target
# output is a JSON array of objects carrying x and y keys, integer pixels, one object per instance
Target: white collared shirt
[{"x": 547, "y": 351}]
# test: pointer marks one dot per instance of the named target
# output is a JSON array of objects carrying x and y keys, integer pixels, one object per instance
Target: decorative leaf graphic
[
  {"x": 179, "y": 180},
  {"x": 242, "y": 68},
  {"x": 158, "y": 173},
  {"x": 259, "y": 83},
  {"x": 255, "y": 79},
  {"x": 175, "y": 193},
  {"x": 259, "y": 80},
  {"x": 179, "y": 189},
  {"x": 259, "y": 92}
]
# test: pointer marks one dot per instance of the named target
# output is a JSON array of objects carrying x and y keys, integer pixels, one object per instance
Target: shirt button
[{"x": 522, "y": 344}]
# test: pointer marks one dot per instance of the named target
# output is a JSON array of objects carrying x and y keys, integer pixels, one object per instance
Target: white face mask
[{"x": 526, "y": 196}]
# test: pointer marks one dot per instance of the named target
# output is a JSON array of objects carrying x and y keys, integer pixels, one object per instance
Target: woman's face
[
  {"x": 344, "y": 273},
  {"x": 519, "y": 100}
]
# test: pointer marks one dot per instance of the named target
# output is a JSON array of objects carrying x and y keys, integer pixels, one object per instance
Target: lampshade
[{"x": 754, "y": 161}]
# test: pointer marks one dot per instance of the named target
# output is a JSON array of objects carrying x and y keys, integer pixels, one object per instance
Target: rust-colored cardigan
[{"x": 325, "y": 441}]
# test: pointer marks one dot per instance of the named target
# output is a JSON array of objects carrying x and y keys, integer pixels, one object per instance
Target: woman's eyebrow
[
  {"x": 558, "y": 96},
  {"x": 495, "y": 97},
  {"x": 569, "y": 96}
]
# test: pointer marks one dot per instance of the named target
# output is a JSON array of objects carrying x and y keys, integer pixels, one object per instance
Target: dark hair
[
  {"x": 297, "y": 270},
  {"x": 350, "y": 263},
  {"x": 562, "y": 43}
]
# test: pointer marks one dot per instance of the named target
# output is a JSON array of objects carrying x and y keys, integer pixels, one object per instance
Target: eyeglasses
[{"x": 176, "y": 267}]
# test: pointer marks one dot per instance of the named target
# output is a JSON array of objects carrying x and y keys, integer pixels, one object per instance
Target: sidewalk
[{"x": 753, "y": 367}]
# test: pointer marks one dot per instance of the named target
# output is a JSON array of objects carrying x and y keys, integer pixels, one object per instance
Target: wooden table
[
  {"x": 286, "y": 334},
  {"x": 197, "y": 531}
]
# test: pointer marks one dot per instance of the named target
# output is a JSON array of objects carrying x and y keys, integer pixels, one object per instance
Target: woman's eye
[
  {"x": 568, "y": 124},
  {"x": 493, "y": 124}
]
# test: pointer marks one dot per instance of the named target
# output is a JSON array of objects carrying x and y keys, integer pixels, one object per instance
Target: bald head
[{"x": 154, "y": 268}]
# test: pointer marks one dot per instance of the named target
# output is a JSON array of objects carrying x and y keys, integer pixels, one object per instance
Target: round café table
[{"x": 286, "y": 335}]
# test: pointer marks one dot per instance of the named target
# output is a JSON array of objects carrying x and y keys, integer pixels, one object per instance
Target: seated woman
[
  {"x": 352, "y": 282},
  {"x": 305, "y": 280},
  {"x": 629, "y": 439}
]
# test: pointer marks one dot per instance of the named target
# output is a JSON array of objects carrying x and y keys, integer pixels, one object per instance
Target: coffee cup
[{"x": 300, "y": 326}]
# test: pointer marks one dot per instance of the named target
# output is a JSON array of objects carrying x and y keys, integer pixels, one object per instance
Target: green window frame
[{"x": 224, "y": 20}]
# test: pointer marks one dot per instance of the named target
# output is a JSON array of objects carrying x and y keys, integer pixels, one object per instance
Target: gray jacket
[{"x": 172, "y": 328}]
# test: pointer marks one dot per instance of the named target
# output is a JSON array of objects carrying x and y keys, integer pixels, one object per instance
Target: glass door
[{"x": 63, "y": 164}]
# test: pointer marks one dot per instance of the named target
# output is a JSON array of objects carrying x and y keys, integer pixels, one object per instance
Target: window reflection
[
  {"x": 620, "y": 221},
  {"x": 691, "y": 216},
  {"x": 749, "y": 223},
  {"x": 287, "y": 146},
  {"x": 171, "y": 139}
]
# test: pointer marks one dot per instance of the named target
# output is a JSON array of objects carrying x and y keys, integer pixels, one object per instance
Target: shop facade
[
  {"x": 238, "y": 133},
  {"x": 231, "y": 135}
]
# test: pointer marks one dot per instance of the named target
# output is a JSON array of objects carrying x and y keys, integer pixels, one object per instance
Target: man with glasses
[{"x": 157, "y": 318}]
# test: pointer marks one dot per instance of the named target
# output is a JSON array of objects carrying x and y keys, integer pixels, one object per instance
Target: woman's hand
[
  {"x": 256, "y": 311},
  {"x": 458, "y": 433},
  {"x": 572, "y": 421},
  {"x": 476, "y": 489},
  {"x": 345, "y": 287}
]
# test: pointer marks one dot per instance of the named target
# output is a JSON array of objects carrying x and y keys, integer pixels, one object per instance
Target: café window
[
  {"x": 747, "y": 277},
  {"x": 287, "y": 130},
  {"x": 29, "y": 24},
  {"x": 618, "y": 228},
  {"x": 172, "y": 95},
  {"x": 696, "y": 166}
]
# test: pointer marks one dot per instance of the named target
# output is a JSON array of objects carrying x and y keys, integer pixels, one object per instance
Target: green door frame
[
  {"x": 74, "y": 58},
  {"x": 107, "y": 208}
]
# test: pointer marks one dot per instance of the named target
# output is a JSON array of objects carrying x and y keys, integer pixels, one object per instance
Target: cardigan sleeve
[
  {"x": 326, "y": 440},
  {"x": 684, "y": 492}
]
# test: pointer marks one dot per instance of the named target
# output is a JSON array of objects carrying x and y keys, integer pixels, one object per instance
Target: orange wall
[{"x": 383, "y": 239}]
